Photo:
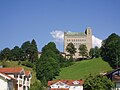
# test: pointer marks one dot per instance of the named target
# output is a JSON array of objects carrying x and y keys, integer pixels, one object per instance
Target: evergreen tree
[
  {"x": 47, "y": 67},
  {"x": 26, "y": 48},
  {"x": 17, "y": 53},
  {"x": 5, "y": 54},
  {"x": 34, "y": 55},
  {"x": 31, "y": 51}
]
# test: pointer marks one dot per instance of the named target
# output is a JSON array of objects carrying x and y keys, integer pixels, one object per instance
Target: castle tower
[{"x": 88, "y": 33}]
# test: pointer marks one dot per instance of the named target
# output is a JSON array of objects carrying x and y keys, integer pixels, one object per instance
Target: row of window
[
  {"x": 76, "y": 40},
  {"x": 76, "y": 44}
]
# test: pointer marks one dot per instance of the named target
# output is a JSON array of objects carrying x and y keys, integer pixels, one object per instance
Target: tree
[
  {"x": 71, "y": 49},
  {"x": 47, "y": 67},
  {"x": 94, "y": 52},
  {"x": 98, "y": 82},
  {"x": 34, "y": 55},
  {"x": 110, "y": 50},
  {"x": 83, "y": 50},
  {"x": 36, "y": 86},
  {"x": 5, "y": 54},
  {"x": 31, "y": 51},
  {"x": 26, "y": 48},
  {"x": 97, "y": 52},
  {"x": 17, "y": 54}
]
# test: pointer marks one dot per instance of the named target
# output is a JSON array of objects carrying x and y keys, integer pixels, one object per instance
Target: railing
[
  {"x": 27, "y": 83},
  {"x": 20, "y": 81}
]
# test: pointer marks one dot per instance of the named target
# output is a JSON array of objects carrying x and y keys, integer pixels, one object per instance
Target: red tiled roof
[
  {"x": 7, "y": 76},
  {"x": 68, "y": 82},
  {"x": 27, "y": 73},
  {"x": 11, "y": 70}
]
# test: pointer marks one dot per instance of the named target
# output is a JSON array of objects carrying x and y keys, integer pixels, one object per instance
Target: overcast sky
[{"x": 46, "y": 20}]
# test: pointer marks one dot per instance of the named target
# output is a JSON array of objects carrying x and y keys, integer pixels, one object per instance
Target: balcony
[
  {"x": 27, "y": 83},
  {"x": 20, "y": 81}
]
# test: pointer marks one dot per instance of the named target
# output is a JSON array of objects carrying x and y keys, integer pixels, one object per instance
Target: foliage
[
  {"x": 83, "y": 50},
  {"x": 17, "y": 54},
  {"x": 47, "y": 67},
  {"x": 34, "y": 55},
  {"x": 5, "y": 54},
  {"x": 110, "y": 50},
  {"x": 36, "y": 86},
  {"x": 98, "y": 82},
  {"x": 28, "y": 64},
  {"x": 81, "y": 69},
  {"x": 30, "y": 50},
  {"x": 94, "y": 52},
  {"x": 71, "y": 48}
]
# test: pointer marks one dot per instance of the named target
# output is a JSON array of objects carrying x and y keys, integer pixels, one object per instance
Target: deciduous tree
[
  {"x": 110, "y": 50},
  {"x": 83, "y": 51},
  {"x": 98, "y": 82},
  {"x": 71, "y": 49}
]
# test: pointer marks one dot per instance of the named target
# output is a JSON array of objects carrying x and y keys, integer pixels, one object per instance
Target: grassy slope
[{"x": 81, "y": 69}]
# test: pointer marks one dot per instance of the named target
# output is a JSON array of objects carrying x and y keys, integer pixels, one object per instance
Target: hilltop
[{"x": 81, "y": 69}]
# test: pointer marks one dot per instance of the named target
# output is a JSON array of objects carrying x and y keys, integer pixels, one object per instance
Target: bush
[
  {"x": 27, "y": 64},
  {"x": 37, "y": 86}
]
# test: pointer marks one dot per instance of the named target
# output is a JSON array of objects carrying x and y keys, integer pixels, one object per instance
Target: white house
[
  {"x": 65, "y": 85},
  {"x": 76, "y": 85},
  {"x": 6, "y": 82},
  {"x": 14, "y": 79}
]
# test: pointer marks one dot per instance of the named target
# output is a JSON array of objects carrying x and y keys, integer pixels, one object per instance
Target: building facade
[
  {"x": 15, "y": 79},
  {"x": 78, "y": 38},
  {"x": 65, "y": 85}
]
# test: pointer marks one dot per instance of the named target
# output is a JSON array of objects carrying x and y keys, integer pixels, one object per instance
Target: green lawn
[{"x": 81, "y": 69}]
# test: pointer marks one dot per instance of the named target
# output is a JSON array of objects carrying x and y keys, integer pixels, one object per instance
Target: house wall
[
  {"x": 3, "y": 84},
  {"x": 76, "y": 88},
  {"x": 117, "y": 86}
]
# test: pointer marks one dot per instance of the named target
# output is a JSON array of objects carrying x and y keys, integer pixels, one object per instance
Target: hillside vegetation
[{"x": 81, "y": 69}]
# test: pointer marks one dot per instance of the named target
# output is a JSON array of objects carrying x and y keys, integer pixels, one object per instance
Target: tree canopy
[
  {"x": 71, "y": 48},
  {"x": 94, "y": 52},
  {"x": 47, "y": 67},
  {"x": 98, "y": 82},
  {"x": 110, "y": 50},
  {"x": 83, "y": 51},
  {"x": 5, "y": 54}
]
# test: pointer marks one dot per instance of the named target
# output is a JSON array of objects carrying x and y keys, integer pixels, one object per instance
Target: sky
[{"x": 47, "y": 20}]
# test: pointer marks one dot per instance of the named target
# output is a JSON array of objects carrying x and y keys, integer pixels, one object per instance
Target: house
[
  {"x": 115, "y": 77},
  {"x": 65, "y": 85},
  {"x": 14, "y": 79},
  {"x": 6, "y": 82}
]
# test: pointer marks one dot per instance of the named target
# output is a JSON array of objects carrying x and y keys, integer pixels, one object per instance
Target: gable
[{"x": 59, "y": 85}]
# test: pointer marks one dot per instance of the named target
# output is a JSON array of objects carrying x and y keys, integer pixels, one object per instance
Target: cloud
[
  {"x": 96, "y": 41},
  {"x": 59, "y": 37}
]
